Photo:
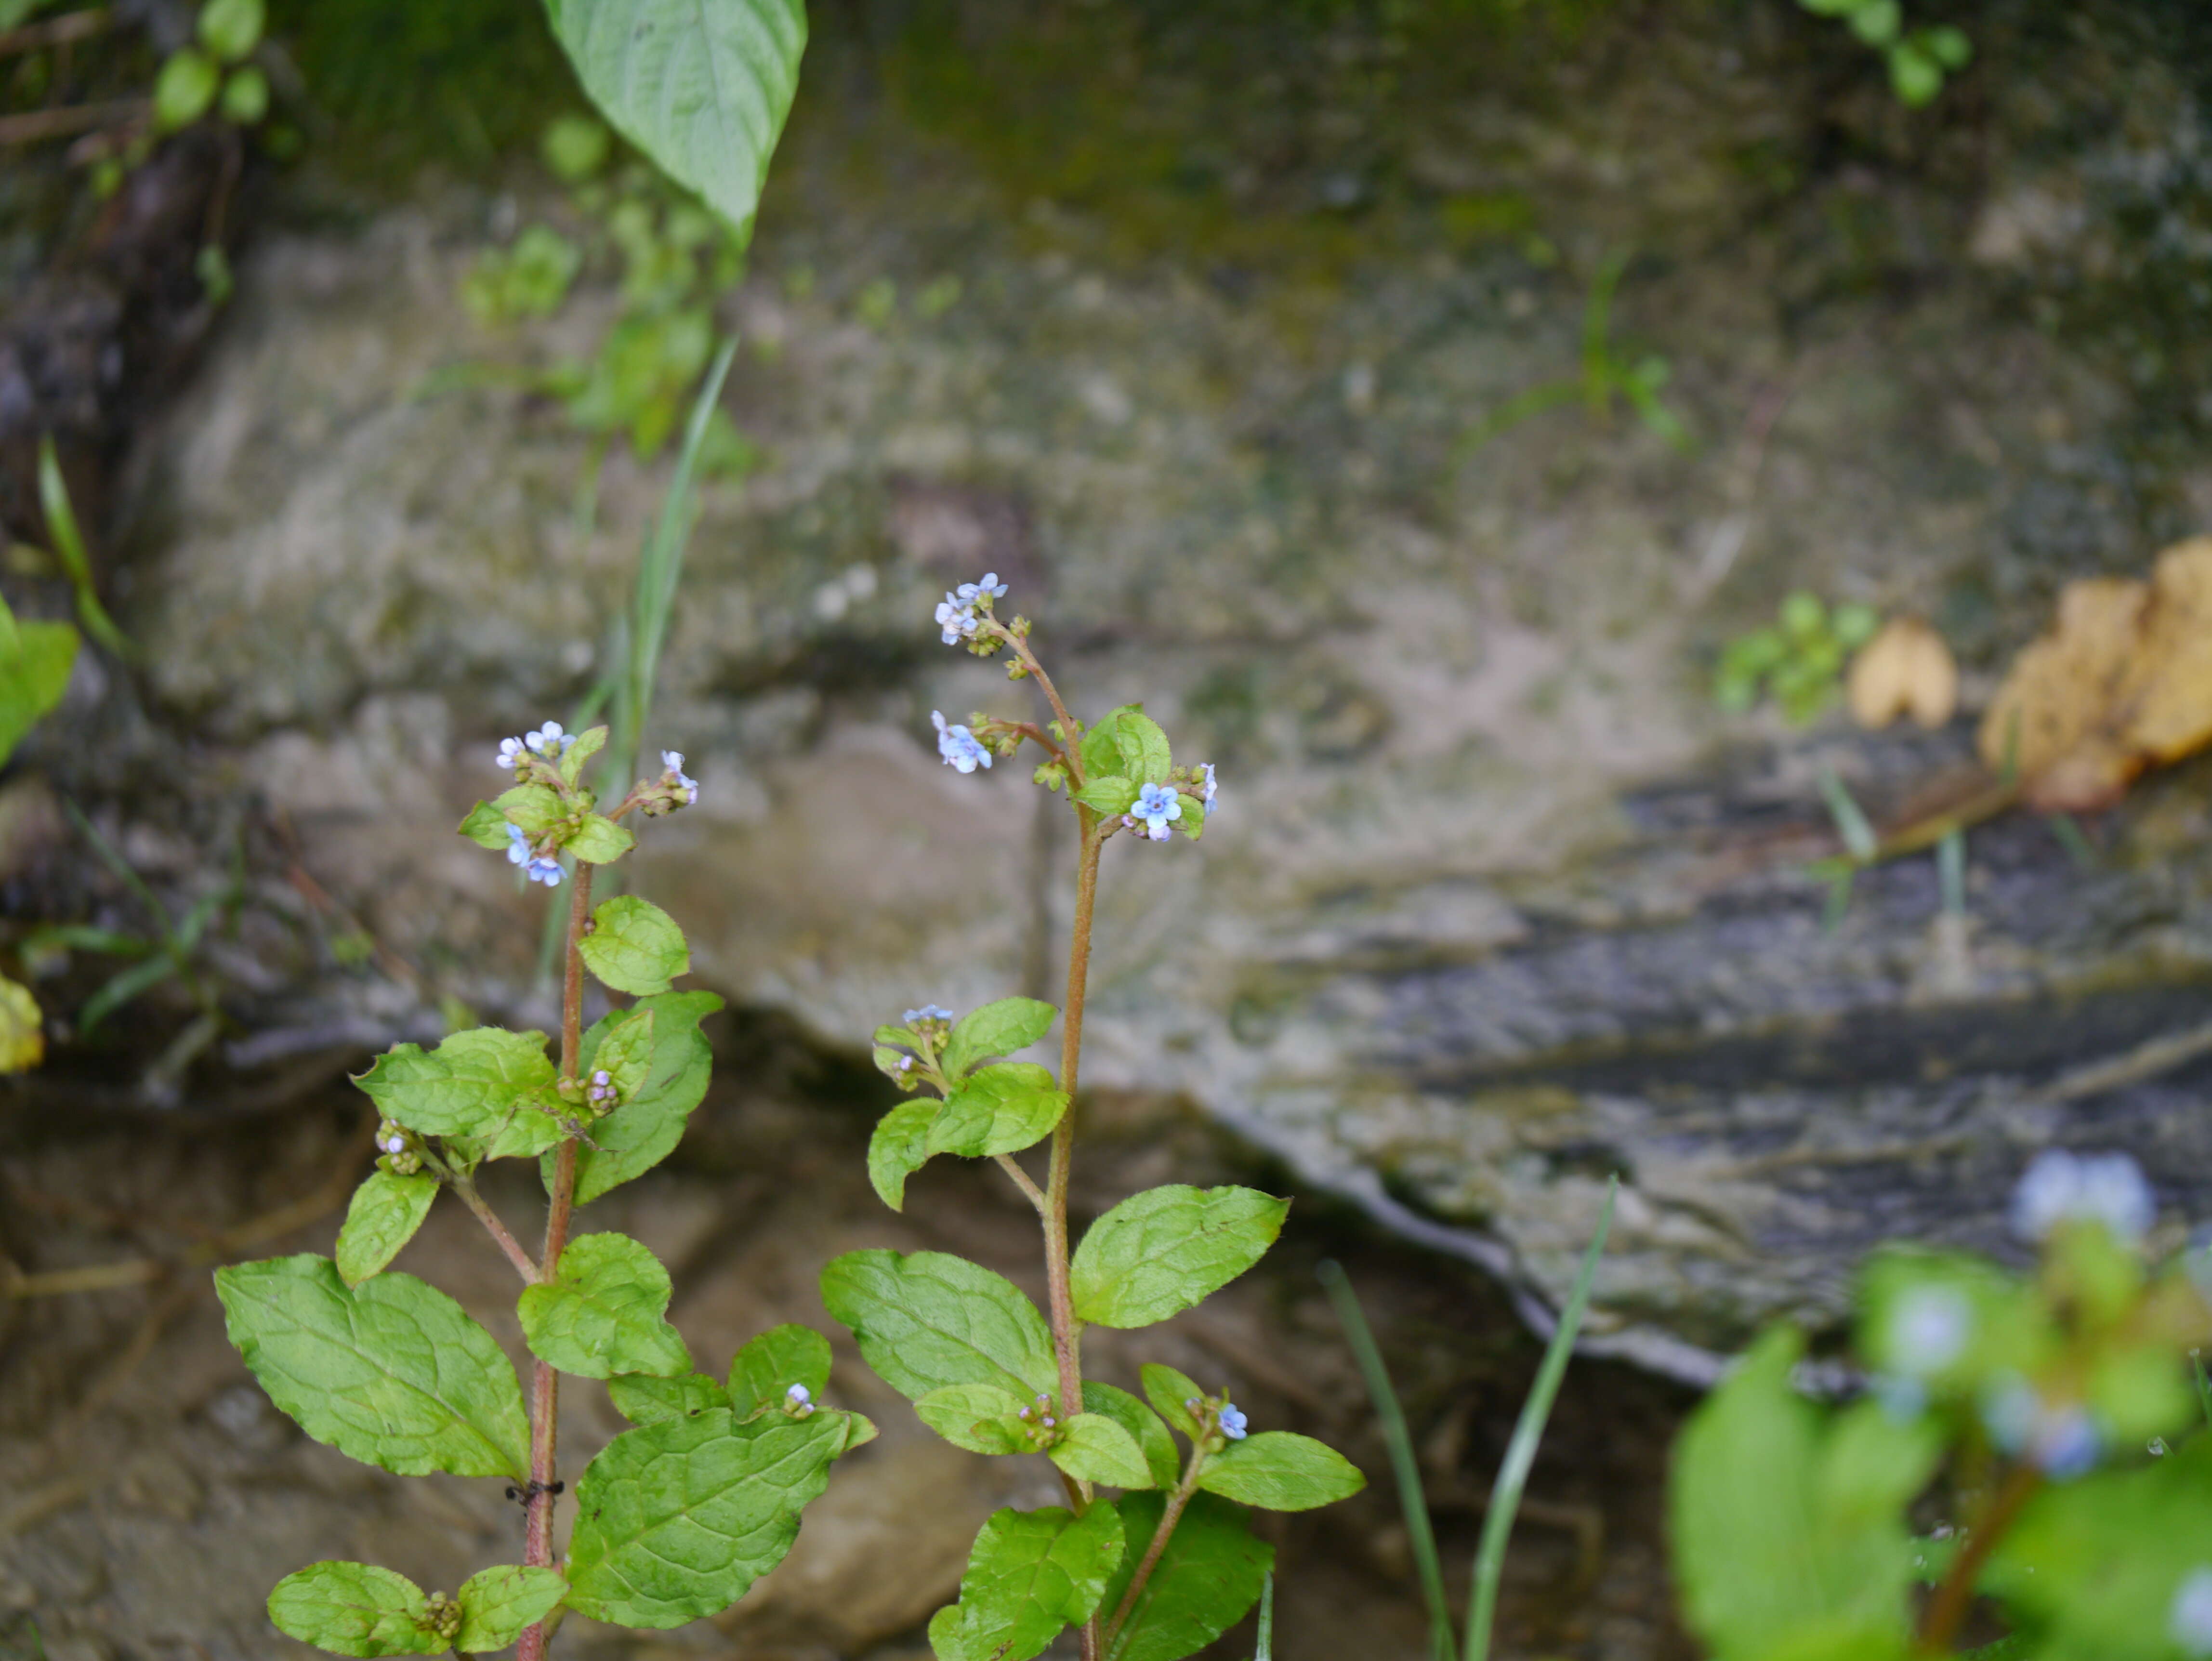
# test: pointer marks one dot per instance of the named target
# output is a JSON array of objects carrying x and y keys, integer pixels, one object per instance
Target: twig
[
  {"x": 35, "y": 124},
  {"x": 56, "y": 31}
]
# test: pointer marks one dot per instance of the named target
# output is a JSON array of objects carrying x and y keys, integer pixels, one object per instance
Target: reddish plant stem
[
  {"x": 1161, "y": 1535},
  {"x": 545, "y": 1382},
  {"x": 464, "y": 1185},
  {"x": 1947, "y": 1610},
  {"x": 1065, "y": 1340}
]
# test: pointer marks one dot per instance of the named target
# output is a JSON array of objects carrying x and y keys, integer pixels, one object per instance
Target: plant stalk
[
  {"x": 464, "y": 1185},
  {"x": 1161, "y": 1535},
  {"x": 545, "y": 1382},
  {"x": 1947, "y": 1610},
  {"x": 1065, "y": 1339}
]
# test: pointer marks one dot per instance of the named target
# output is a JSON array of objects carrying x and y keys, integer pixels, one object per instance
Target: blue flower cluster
[
  {"x": 1205, "y": 795},
  {"x": 2060, "y": 1439},
  {"x": 2066, "y": 1188},
  {"x": 538, "y": 868},
  {"x": 549, "y": 741},
  {"x": 1158, "y": 805},
  {"x": 929, "y": 1012},
  {"x": 1232, "y": 1421},
  {"x": 673, "y": 761},
  {"x": 962, "y": 749},
  {"x": 955, "y": 612}
]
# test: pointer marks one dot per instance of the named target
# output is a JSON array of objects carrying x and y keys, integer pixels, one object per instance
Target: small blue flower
[
  {"x": 957, "y": 618},
  {"x": 549, "y": 741},
  {"x": 1156, "y": 804},
  {"x": 798, "y": 1395},
  {"x": 1205, "y": 795},
  {"x": 510, "y": 754},
  {"x": 929, "y": 1012},
  {"x": 517, "y": 846},
  {"x": 1232, "y": 1421},
  {"x": 2063, "y": 1441},
  {"x": 2064, "y": 1188},
  {"x": 673, "y": 761},
  {"x": 1929, "y": 1327},
  {"x": 968, "y": 593},
  {"x": 2188, "y": 1622},
  {"x": 2069, "y": 1445},
  {"x": 544, "y": 870},
  {"x": 960, "y": 748}
]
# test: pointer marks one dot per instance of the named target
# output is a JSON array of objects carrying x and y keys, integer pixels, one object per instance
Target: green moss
[{"x": 466, "y": 83}]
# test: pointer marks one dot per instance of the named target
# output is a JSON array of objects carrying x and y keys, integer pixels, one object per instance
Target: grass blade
[
  {"x": 1400, "y": 1441},
  {"x": 1851, "y": 820},
  {"x": 69, "y": 548},
  {"x": 1521, "y": 1452},
  {"x": 1264, "y": 1650}
]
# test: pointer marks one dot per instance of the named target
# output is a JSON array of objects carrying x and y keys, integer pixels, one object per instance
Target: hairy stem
[
  {"x": 1064, "y": 1338},
  {"x": 1947, "y": 1610},
  {"x": 1161, "y": 1535},
  {"x": 1030, "y": 1191},
  {"x": 545, "y": 1382},
  {"x": 464, "y": 1185}
]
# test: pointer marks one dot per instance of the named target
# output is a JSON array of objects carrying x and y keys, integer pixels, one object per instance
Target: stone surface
[{"x": 1496, "y": 902}]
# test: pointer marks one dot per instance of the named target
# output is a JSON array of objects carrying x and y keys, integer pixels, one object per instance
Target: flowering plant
[
  {"x": 2048, "y": 1399},
  {"x": 382, "y": 1366},
  {"x": 1169, "y": 1564}
]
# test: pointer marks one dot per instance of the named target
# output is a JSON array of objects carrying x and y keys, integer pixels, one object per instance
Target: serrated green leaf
[
  {"x": 644, "y": 1129},
  {"x": 1142, "y": 1423},
  {"x": 981, "y": 1418},
  {"x": 354, "y": 1608},
  {"x": 1764, "y": 1564},
  {"x": 533, "y": 808},
  {"x": 488, "y": 1084},
  {"x": 1277, "y": 1471},
  {"x": 599, "y": 840},
  {"x": 1193, "y": 822},
  {"x": 931, "y": 1319},
  {"x": 677, "y": 1520},
  {"x": 645, "y": 1400},
  {"x": 1208, "y": 1577},
  {"x": 634, "y": 946},
  {"x": 997, "y": 1029},
  {"x": 1167, "y": 1390},
  {"x": 765, "y": 1368},
  {"x": 900, "y": 1146},
  {"x": 386, "y": 1211},
  {"x": 998, "y": 1109},
  {"x": 625, "y": 1054},
  {"x": 1093, "y": 1448},
  {"x": 604, "y": 1312},
  {"x": 1110, "y": 794},
  {"x": 392, "y": 1372},
  {"x": 1031, "y": 1574},
  {"x": 703, "y": 90},
  {"x": 486, "y": 826},
  {"x": 586, "y": 746},
  {"x": 1169, "y": 1248},
  {"x": 859, "y": 1427},
  {"x": 1129, "y": 742},
  {"x": 497, "y": 1603}
]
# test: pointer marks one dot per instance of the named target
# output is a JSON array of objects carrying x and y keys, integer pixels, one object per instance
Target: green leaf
[
  {"x": 1193, "y": 822},
  {"x": 900, "y": 1146},
  {"x": 390, "y": 1373},
  {"x": 1093, "y": 1448},
  {"x": 486, "y": 826},
  {"x": 604, "y": 1312},
  {"x": 231, "y": 28},
  {"x": 534, "y": 808},
  {"x": 1208, "y": 1577},
  {"x": 488, "y": 1083},
  {"x": 1169, "y": 1248},
  {"x": 645, "y": 1400},
  {"x": 1129, "y": 742},
  {"x": 982, "y": 1418},
  {"x": 386, "y": 1211},
  {"x": 999, "y": 1109},
  {"x": 599, "y": 840},
  {"x": 35, "y": 661},
  {"x": 1110, "y": 794},
  {"x": 634, "y": 946},
  {"x": 245, "y": 101},
  {"x": 645, "y": 1128},
  {"x": 1766, "y": 1563},
  {"x": 1277, "y": 1471},
  {"x": 931, "y": 1319},
  {"x": 677, "y": 1520},
  {"x": 703, "y": 90},
  {"x": 1167, "y": 1390},
  {"x": 625, "y": 1054},
  {"x": 497, "y": 1603},
  {"x": 184, "y": 88},
  {"x": 1142, "y": 1423},
  {"x": 996, "y": 1029},
  {"x": 586, "y": 746},
  {"x": 355, "y": 1609},
  {"x": 1031, "y": 1574},
  {"x": 763, "y": 1371}
]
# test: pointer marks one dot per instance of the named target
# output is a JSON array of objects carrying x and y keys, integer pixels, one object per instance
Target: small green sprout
[{"x": 1798, "y": 660}]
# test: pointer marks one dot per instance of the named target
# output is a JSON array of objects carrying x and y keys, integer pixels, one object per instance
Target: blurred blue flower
[
  {"x": 1232, "y": 1421},
  {"x": 2062, "y": 1187},
  {"x": 958, "y": 745}
]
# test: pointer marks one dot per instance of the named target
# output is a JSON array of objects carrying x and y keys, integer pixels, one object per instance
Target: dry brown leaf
[
  {"x": 2122, "y": 682},
  {"x": 1904, "y": 670}
]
